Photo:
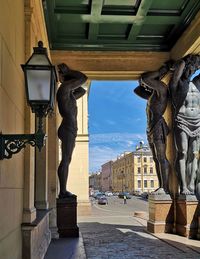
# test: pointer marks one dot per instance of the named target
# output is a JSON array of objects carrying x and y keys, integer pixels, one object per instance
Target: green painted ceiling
[{"x": 117, "y": 24}]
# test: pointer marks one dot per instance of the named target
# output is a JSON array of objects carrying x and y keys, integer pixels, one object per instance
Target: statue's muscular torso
[
  {"x": 156, "y": 106},
  {"x": 68, "y": 109},
  {"x": 191, "y": 104}
]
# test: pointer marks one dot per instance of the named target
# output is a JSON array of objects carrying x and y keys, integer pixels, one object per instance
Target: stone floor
[
  {"x": 112, "y": 232},
  {"x": 115, "y": 240},
  {"x": 100, "y": 240}
]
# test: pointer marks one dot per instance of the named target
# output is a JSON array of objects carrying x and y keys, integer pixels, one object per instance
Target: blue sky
[{"x": 117, "y": 120}]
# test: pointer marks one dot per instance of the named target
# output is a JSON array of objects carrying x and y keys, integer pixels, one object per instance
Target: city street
[
  {"x": 112, "y": 231},
  {"x": 117, "y": 207}
]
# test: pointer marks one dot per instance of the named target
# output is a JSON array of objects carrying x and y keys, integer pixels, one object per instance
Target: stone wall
[{"x": 11, "y": 121}]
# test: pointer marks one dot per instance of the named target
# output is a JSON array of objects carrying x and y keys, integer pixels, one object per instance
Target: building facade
[
  {"x": 106, "y": 176},
  {"x": 95, "y": 182},
  {"x": 145, "y": 177},
  {"x": 135, "y": 172}
]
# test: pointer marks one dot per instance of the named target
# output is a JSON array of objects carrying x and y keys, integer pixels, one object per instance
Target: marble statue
[{"x": 185, "y": 95}]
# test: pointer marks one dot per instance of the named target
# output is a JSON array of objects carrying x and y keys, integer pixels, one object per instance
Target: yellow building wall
[
  {"x": 11, "y": 121},
  {"x": 125, "y": 174},
  {"x": 142, "y": 176}
]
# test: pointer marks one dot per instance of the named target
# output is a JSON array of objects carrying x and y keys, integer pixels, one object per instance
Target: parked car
[
  {"x": 102, "y": 201},
  {"x": 145, "y": 195},
  {"x": 97, "y": 195},
  {"x": 122, "y": 194},
  {"x": 108, "y": 193}
]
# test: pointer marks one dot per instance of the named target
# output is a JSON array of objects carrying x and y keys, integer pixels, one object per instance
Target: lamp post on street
[{"x": 122, "y": 177}]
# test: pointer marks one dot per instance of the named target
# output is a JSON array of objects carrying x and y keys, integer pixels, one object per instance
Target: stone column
[
  {"x": 29, "y": 211},
  {"x": 41, "y": 175},
  {"x": 52, "y": 171},
  {"x": 78, "y": 182}
]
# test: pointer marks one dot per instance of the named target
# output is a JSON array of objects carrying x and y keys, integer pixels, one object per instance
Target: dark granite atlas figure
[
  {"x": 69, "y": 91},
  {"x": 185, "y": 95},
  {"x": 155, "y": 92}
]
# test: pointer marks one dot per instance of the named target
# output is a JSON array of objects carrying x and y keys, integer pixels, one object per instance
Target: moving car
[
  {"x": 122, "y": 194},
  {"x": 102, "y": 201}
]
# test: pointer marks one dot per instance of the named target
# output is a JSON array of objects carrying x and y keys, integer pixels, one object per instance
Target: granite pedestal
[
  {"x": 187, "y": 213},
  {"x": 67, "y": 217},
  {"x": 161, "y": 214}
]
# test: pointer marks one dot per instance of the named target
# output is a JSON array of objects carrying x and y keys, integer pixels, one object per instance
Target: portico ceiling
[{"x": 126, "y": 25}]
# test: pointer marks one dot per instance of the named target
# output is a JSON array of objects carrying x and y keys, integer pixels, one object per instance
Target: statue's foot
[
  {"x": 187, "y": 192},
  {"x": 159, "y": 191},
  {"x": 191, "y": 188},
  {"x": 66, "y": 195}
]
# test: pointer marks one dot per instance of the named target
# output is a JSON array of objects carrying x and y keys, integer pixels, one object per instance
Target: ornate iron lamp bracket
[{"x": 11, "y": 144}]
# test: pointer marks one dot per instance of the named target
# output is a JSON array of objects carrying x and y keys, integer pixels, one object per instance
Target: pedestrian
[{"x": 124, "y": 199}]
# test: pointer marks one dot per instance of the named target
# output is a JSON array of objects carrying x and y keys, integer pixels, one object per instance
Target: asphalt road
[{"x": 116, "y": 206}]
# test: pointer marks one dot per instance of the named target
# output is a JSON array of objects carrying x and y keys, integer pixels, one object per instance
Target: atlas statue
[{"x": 69, "y": 91}]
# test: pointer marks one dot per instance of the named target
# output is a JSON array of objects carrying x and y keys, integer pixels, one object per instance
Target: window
[
  {"x": 145, "y": 159},
  {"x": 138, "y": 159},
  {"x": 151, "y": 170},
  {"x": 139, "y": 183},
  {"x": 139, "y": 170},
  {"x": 152, "y": 183},
  {"x": 151, "y": 159},
  {"x": 145, "y": 170},
  {"x": 145, "y": 183}
]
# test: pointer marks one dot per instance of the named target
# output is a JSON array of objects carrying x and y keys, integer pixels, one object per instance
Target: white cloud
[
  {"x": 116, "y": 138},
  {"x": 100, "y": 155},
  {"x": 106, "y": 147}
]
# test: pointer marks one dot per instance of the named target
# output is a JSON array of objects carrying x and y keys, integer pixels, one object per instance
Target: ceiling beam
[
  {"x": 189, "y": 42},
  {"x": 139, "y": 20},
  {"x": 111, "y": 64},
  {"x": 96, "y": 8}
]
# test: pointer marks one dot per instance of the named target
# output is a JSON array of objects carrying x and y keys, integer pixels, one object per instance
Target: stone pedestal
[
  {"x": 67, "y": 217},
  {"x": 187, "y": 212},
  {"x": 161, "y": 214}
]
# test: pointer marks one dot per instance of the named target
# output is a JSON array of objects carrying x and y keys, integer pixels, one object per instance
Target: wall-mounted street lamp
[{"x": 40, "y": 82}]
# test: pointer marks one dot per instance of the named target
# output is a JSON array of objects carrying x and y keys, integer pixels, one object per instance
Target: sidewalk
[
  {"x": 66, "y": 248},
  {"x": 121, "y": 237},
  {"x": 125, "y": 237}
]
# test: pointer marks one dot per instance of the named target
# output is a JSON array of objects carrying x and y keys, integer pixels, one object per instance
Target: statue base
[
  {"x": 187, "y": 212},
  {"x": 161, "y": 214},
  {"x": 67, "y": 217}
]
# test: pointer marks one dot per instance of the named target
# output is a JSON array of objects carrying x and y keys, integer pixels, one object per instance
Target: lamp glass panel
[
  {"x": 39, "y": 59},
  {"x": 39, "y": 83}
]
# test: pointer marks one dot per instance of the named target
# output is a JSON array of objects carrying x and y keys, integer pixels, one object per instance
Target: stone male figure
[
  {"x": 185, "y": 96},
  {"x": 69, "y": 91},
  {"x": 155, "y": 92}
]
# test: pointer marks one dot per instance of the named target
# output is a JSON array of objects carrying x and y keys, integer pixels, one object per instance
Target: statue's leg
[
  {"x": 63, "y": 170},
  {"x": 67, "y": 147},
  {"x": 194, "y": 147},
  {"x": 181, "y": 142},
  {"x": 156, "y": 164},
  {"x": 160, "y": 148}
]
